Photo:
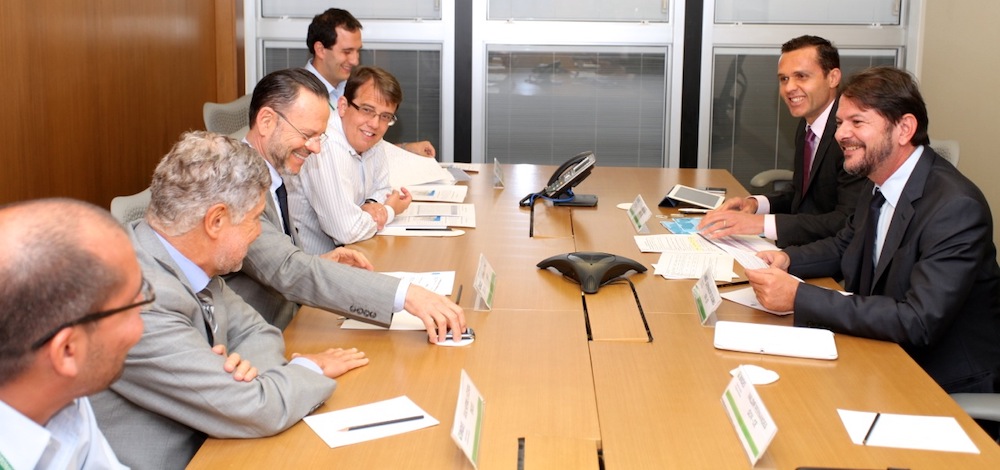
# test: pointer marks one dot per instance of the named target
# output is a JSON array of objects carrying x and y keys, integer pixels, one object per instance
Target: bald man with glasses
[{"x": 70, "y": 295}]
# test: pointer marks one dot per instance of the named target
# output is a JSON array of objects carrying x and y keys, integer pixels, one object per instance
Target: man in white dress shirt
[
  {"x": 288, "y": 114},
  {"x": 70, "y": 295},
  {"x": 343, "y": 195}
]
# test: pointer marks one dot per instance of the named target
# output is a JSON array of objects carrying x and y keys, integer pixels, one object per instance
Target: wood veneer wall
[{"x": 93, "y": 93}]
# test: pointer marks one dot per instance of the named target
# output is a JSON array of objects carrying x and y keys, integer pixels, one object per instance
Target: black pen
[
  {"x": 383, "y": 423},
  {"x": 734, "y": 283},
  {"x": 458, "y": 298},
  {"x": 871, "y": 428}
]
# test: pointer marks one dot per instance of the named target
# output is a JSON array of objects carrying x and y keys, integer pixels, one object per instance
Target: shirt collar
[
  {"x": 194, "y": 274},
  {"x": 819, "y": 125},
  {"x": 892, "y": 188},
  {"x": 335, "y": 91},
  {"x": 22, "y": 441}
]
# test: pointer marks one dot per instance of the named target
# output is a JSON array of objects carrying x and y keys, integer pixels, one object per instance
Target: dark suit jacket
[
  {"x": 831, "y": 195},
  {"x": 936, "y": 289}
]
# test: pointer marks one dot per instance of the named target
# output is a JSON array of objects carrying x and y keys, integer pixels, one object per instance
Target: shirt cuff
[
  {"x": 763, "y": 205},
  {"x": 390, "y": 214},
  {"x": 307, "y": 363},
  {"x": 770, "y": 227},
  {"x": 400, "y": 300}
]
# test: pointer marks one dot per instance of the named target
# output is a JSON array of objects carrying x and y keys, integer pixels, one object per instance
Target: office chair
[
  {"x": 129, "y": 208},
  {"x": 230, "y": 118},
  {"x": 947, "y": 149},
  {"x": 981, "y": 406},
  {"x": 777, "y": 177}
]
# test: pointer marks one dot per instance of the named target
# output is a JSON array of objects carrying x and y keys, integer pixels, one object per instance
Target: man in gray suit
[
  {"x": 918, "y": 252},
  {"x": 288, "y": 116},
  {"x": 189, "y": 376}
]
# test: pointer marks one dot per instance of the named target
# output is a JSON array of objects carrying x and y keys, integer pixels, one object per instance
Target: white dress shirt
[
  {"x": 71, "y": 439},
  {"x": 892, "y": 189},
  {"x": 325, "y": 198}
]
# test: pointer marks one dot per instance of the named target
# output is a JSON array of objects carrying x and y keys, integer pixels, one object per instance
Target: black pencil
[{"x": 383, "y": 423}]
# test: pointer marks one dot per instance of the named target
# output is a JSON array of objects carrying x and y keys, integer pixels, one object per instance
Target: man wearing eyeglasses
[
  {"x": 344, "y": 196},
  {"x": 70, "y": 295},
  {"x": 334, "y": 42},
  {"x": 207, "y": 196},
  {"x": 288, "y": 113}
]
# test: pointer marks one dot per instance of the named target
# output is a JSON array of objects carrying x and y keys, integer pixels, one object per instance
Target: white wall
[{"x": 958, "y": 79}]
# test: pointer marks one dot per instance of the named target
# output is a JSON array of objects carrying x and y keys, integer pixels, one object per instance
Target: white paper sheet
[
  {"x": 942, "y": 433},
  {"x": 692, "y": 265},
  {"x": 439, "y": 192},
  {"x": 747, "y": 297},
  {"x": 407, "y": 169},
  {"x": 675, "y": 243},
  {"x": 436, "y": 215},
  {"x": 469, "y": 167},
  {"x": 331, "y": 426},
  {"x": 439, "y": 282}
]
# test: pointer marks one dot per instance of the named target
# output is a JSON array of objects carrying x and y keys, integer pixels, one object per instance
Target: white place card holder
[
  {"x": 749, "y": 416},
  {"x": 638, "y": 214},
  {"x": 706, "y": 297},
  {"x": 468, "y": 425},
  {"x": 485, "y": 284},
  {"x": 497, "y": 174}
]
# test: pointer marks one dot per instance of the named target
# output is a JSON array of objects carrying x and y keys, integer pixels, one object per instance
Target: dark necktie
[
  {"x": 208, "y": 314},
  {"x": 283, "y": 207},
  {"x": 871, "y": 229},
  {"x": 807, "y": 153}
]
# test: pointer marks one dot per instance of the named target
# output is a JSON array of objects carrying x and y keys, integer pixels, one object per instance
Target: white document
[
  {"x": 744, "y": 249},
  {"x": 673, "y": 265},
  {"x": 439, "y": 192},
  {"x": 407, "y": 169},
  {"x": 436, "y": 215},
  {"x": 421, "y": 232},
  {"x": 375, "y": 419},
  {"x": 469, "y": 167},
  {"x": 747, "y": 297},
  {"x": 675, "y": 243},
  {"x": 941, "y": 433},
  {"x": 440, "y": 282},
  {"x": 812, "y": 343}
]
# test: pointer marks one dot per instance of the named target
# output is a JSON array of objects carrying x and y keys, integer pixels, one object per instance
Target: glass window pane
[
  {"x": 546, "y": 106},
  {"x": 813, "y": 12},
  {"x": 580, "y": 10},
  {"x": 418, "y": 72},
  {"x": 361, "y": 9},
  {"x": 751, "y": 129}
]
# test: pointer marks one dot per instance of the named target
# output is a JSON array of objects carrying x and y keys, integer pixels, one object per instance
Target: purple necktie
[{"x": 807, "y": 153}]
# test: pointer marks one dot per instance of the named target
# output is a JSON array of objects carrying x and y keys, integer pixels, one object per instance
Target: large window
[{"x": 545, "y": 106}]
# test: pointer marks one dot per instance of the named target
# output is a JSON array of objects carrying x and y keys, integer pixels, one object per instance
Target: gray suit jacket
[
  {"x": 277, "y": 275},
  {"x": 936, "y": 289},
  {"x": 174, "y": 391}
]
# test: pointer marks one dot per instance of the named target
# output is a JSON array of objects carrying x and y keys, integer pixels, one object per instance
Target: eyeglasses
[
  {"x": 148, "y": 297},
  {"x": 370, "y": 112},
  {"x": 318, "y": 140}
]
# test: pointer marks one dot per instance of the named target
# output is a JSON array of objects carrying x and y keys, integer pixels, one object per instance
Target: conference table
[{"x": 626, "y": 378}]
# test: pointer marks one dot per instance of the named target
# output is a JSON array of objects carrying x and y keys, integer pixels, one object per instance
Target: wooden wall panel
[{"x": 95, "y": 92}]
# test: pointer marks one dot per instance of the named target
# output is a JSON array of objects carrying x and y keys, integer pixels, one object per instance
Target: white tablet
[{"x": 697, "y": 197}]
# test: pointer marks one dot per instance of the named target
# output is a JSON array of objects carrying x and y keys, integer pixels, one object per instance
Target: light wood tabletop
[{"x": 573, "y": 381}]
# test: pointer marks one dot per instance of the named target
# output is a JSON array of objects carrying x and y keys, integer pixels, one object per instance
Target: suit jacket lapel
[{"x": 903, "y": 214}]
